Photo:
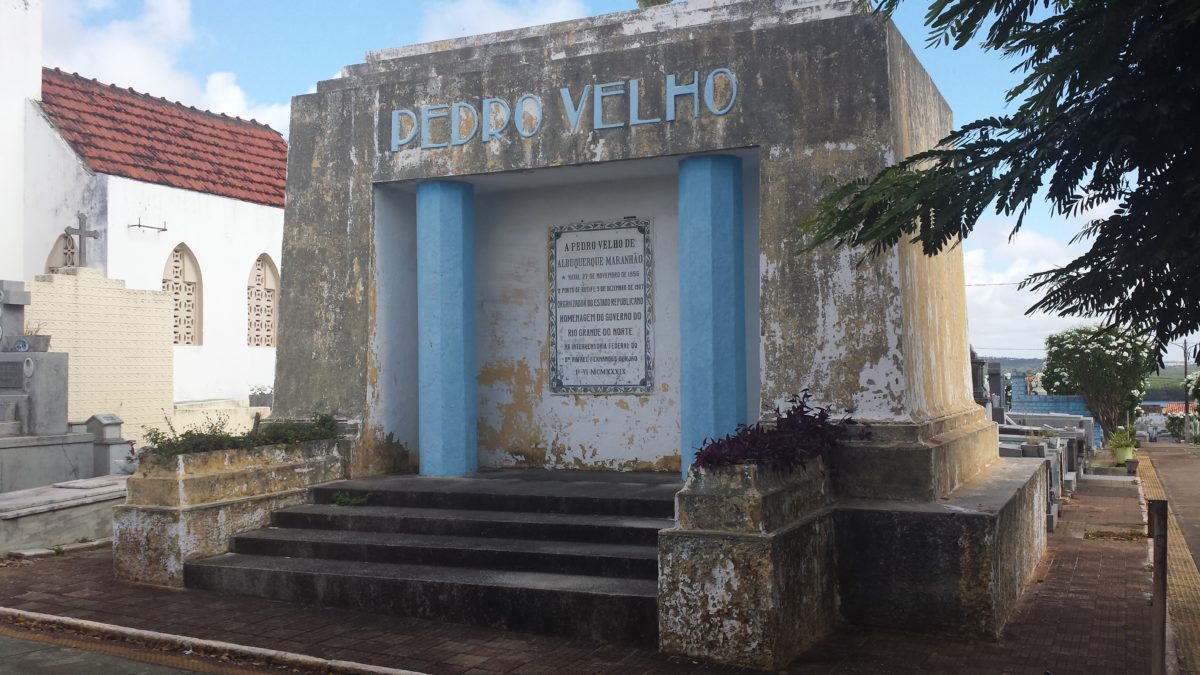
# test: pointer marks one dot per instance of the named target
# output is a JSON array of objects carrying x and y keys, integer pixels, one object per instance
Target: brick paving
[
  {"x": 1087, "y": 612},
  {"x": 1183, "y": 578}
]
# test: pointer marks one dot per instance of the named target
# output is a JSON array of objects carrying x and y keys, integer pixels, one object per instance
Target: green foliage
[
  {"x": 347, "y": 499},
  {"x": 1123, "y": 438},
  {"x": 643, "y": 4},
  {"x": 1106, "y": 367},
  {"x": 1106, "y": 115},
  {"x": 213, "y": 435}
]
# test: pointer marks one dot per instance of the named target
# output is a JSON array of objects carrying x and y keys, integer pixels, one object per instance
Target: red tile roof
[{"x": 125, "y": 133}]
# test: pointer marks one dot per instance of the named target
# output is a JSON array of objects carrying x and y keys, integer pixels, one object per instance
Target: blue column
[
  {"x": 712, "y": 312},
  {"x": 446, "y": 327}
]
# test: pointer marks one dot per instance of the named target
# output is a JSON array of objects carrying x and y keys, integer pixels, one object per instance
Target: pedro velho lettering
[{"x": 601, "y": 308}]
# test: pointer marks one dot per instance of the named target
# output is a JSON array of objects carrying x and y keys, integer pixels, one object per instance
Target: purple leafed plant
[{"x": 798, "y": 434}]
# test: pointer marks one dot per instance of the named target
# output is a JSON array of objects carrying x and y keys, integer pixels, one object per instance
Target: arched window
[
  {"x": 181, "y": 278},
  {"x": 62, "y": 254},
  {"x": 262, "y": 297}
]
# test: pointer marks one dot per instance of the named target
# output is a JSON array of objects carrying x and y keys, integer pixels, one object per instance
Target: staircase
[{"x": 564, "y": 553}]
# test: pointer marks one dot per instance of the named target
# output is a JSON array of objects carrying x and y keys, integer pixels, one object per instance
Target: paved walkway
[
  {"x": 1172, "y": 472},
  {"x": 1087, "y": 612}
]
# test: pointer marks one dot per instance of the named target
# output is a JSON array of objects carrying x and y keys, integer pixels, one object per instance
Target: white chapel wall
[
  {"x": 58, "y": 187},
  {"x": 226, "y": 236},
  {"x": 20, "y": 80}
]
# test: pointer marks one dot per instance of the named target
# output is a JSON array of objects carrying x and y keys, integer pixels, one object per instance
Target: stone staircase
[{"x": 556, "y": 552}]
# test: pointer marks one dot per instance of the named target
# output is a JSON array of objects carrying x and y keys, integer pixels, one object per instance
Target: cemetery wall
[
  {"x": 226, "y": 236},
  {"x": 119, "y": 341},
  {"x": 20, "y": 79},
  {"x": 1022, "y": 401}
]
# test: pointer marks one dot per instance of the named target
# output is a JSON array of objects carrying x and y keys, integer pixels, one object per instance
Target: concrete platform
[
  {"x": 63, "y": 513},
  {"x": 32, "y": 461}
]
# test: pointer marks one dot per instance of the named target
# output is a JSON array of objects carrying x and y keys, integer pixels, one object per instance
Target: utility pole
[{"x": 1187, "y": 395}]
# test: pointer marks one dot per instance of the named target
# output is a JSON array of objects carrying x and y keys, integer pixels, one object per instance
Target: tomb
[{"x": 575, "y": 247}]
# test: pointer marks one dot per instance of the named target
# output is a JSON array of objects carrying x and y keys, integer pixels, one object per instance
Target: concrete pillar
[
  {"x": 712, "y": 310},
  {"x": 446, "y": 327}
]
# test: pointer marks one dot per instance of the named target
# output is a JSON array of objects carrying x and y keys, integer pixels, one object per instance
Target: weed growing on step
[
  {"x": 213, "y": 435},
  {"x": 347, "y": 499},
  {"x": 797, "y": 435}
]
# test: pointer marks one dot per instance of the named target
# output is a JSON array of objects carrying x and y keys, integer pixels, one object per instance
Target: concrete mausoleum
[{"x": 575, "y": 246}]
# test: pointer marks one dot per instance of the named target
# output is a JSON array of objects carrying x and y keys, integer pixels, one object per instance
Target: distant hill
[{"x": 1166, "y": 385}]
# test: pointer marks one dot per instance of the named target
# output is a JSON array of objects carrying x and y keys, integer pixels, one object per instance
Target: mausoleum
[{"x": 575, "y": 247}]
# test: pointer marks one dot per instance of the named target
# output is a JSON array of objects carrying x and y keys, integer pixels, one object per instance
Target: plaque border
[{"x": 646, "y": 386}]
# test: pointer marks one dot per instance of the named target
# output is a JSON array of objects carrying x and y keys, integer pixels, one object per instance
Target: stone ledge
[{"x": 37, "y": 441}]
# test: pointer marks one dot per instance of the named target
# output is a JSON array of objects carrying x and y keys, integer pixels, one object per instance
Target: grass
[{"x": 214, "y": 436}]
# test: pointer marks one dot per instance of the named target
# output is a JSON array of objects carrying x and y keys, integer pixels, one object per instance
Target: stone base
[
  {"x": 190, "y": 506},
  {"x": 920, "y": 462},
  {"x": 54, "y": 515},
  {"x": 33, "y": 461},
  {"x": 151, "y": 543},
  {"x": 749, "y": 576},
  {"x": 755, "y": 600},
  {"x": 952, "y": 566}
]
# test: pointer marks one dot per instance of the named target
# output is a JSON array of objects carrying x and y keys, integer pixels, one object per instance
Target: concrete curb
[{"x": 196, "y": 645}]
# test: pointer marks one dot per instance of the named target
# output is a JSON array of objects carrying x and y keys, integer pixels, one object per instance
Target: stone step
[
  {"x": 649, "y": 495},
  {"x": 632, "y": 530},
  {"x": 584, "y": 607},
  {"x": 10, "y": 429},
  {"x": 559, "y": 557}
]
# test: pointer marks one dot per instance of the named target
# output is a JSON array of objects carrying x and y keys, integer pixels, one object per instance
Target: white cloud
[
  {"x": 143, "y": 53},
  {"x": 998, "y": 324},
  {"x": 457, "y": 18}
]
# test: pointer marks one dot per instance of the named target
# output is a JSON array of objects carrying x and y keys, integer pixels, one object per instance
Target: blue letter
[
  {"x": 520, "y": 123},
  {"x": 710, "y": 96},
  {"x": 397, "y": 142},
  {"x": 634, "y": 120},
  {"x": 573, "y": 110},
  {"x": 674, "y": 90},
  {"x": 489, "y": 132},
  {"x": 456, "y": 111},
  {"x": 428, "y": 114},
  {"x": 598, "y": 104}
]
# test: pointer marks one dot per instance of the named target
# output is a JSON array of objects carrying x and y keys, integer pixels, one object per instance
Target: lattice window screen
[
  {"x": 262, "y": 292},
  {"x": 63, "y": 254},
  {"x": 181, "y": 279}
]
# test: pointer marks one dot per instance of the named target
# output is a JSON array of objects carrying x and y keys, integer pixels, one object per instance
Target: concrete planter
[
  {"x": 1122, "y": 454},
  {"x": 25, "y": 343},
  {"x": 749, "y": 574},
  {"x": 184, "y": 507},
  {"x": 1131, "y": 467}
]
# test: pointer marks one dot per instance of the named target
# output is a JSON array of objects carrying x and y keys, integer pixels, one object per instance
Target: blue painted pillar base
[
  {"x": 712, "y": 312},
  {"x": 446, "y": 328}
]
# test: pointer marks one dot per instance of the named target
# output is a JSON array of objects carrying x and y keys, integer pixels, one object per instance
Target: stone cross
[{"x": 83, "y": 233}]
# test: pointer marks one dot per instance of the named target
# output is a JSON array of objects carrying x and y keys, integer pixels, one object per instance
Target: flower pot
[
  {"x": 1122, "y": 454},
  {"x": 1131, "y": 467}
]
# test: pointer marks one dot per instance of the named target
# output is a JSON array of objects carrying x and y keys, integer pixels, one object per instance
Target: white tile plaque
[{"x": 601, "y": 308}]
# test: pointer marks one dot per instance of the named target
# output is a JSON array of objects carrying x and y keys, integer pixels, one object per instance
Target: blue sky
[{"x": 249, "y": 57}]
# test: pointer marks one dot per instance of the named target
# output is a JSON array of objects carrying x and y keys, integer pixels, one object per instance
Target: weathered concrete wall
[
  {"x": 185, "y": 507},
  {"x": 119, "y": 341},
  {"x": 20, "y": 80},
  {"x": 817, "y": 96},
  {"x": 955, "y": 565},
  {"x": 749, "y": 576}
]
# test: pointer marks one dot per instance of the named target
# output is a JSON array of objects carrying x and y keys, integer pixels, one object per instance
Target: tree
[
  {"x": 1106, "y": 117},
  {"x": 1107, "y": 368},
  {"x": 643, "y": 4}
]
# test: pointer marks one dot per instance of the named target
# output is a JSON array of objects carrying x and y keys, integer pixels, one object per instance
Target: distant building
[{"x": 167, "y": 197}]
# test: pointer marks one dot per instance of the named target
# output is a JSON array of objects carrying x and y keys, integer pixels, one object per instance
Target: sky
[{"x": 249, "y": 57}]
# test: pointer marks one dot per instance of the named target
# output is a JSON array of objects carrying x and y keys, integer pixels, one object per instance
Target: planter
[
  {"x": 25, "y": 343},
  {"x": 1131, "y": 467},
  {"x": 189, "y": 506},
  {"x": 749, "y": 575},
  {"x": 1122, "y": 454},
  {"x": 262, "y": 400}
]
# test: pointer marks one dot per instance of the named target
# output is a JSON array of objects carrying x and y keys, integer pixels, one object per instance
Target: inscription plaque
[
  {"x": 601, "y": 308},
  {"x": 11, "y": 375}
]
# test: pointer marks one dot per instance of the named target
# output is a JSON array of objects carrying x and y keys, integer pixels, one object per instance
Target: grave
[
  {"x": 45, "y": 462},
  {"x": 573, "y": 247}
]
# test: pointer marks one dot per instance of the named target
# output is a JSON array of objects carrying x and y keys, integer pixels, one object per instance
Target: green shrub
[{"x": 213, "y": 435}]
